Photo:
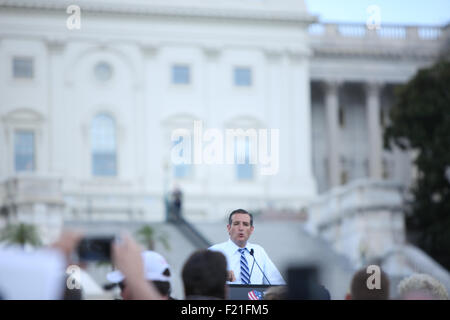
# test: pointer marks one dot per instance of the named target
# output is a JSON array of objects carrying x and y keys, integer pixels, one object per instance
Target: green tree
[
  {"x": 420, "y": 121},
  {"x": 148, "y": 236},
  {"x": 21, "y": 234}
]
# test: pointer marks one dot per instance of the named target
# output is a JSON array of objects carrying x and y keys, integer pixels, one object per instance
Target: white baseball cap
[{"x": 154, "y": 266}]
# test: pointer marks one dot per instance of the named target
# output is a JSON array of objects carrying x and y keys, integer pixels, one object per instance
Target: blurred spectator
[
  {"x": 38, "y": 274},
  {"x": 421, "y": 286},
  {"x": 128, "y": 259},
  {"x": 204, "y": 276},
  {"x": 31, "y": 275},
  {"x": 67, "y": 244},
  {"x": 177, "y": 203},
  {"x": 156, "y": 270},
  {"x": 73, "y": 293},
  {"x": 303, "y": 284},
  {"x": 359, "y": 290}
]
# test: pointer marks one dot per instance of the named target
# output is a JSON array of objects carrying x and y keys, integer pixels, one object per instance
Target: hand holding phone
[{"x": 95, "y": 248}]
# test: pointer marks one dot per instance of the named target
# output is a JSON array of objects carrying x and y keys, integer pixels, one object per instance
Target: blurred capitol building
[{"x": 86, "y": 114}]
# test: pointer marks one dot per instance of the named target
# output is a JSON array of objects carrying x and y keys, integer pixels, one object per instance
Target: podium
[{"x": 247, "y": 291}]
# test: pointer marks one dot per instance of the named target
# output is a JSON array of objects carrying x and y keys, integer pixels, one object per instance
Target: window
[
  {"x": 182, "y": 171},
  {"x": 244, "y": 171},
  {"x": 242, "y": 77},
  {"x": 23, "y": 68},
  {"x": 103, "y": 135},
  {"x": 180, "y": 74},
  {"x": 24, "y": 151}
]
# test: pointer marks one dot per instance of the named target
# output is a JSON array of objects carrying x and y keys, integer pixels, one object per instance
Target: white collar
[{"x": 233, "y": 246}]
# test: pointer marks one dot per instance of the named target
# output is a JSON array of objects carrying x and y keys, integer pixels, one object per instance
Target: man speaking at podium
[{"x": 248, "y": 263}]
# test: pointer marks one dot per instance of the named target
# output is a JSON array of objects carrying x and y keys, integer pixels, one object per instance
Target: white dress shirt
[{"x": 230, "y": 251}]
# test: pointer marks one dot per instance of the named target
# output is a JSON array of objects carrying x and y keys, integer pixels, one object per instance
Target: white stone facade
[
  {"x": 305, "y": 81},
  {"x": 354, "y": 72},
  {"x": 328, "y": 89},
  {"x": 141, "y": 41}
]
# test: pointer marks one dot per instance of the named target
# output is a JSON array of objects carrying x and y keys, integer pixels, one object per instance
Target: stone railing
[
  {"x": 335, "y": 205},
  {"x": 35, "y": 199},
  {"x": 361, "y": 220},
  {"x": 404, "y": 260},
  {"x": 113, "y": 207},
  {"x": 393, "y": 32},
  {"x": 30, "y": 188}
]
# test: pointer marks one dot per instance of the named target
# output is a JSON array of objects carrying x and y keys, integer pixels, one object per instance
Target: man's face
[{"x": 240, "y": 229}]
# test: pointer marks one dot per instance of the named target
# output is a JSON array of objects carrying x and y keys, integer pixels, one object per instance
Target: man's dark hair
[
  {"x": 163, "y": 287},
  {"x": 70, "y": 294},
  {"x": 205, "y": 274},
  {"x": 240, "y": 211},
  {"x": 360, "y": 291}
]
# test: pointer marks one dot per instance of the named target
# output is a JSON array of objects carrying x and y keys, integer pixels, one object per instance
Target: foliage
[
  {"x": 21, "y": 234},
  {"x": 148, "y": 236},
  {"x": 420, "y": 121}
]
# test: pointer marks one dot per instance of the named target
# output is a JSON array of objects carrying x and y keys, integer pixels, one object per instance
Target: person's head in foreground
[
  {"x": 156, "y": 270},
  {"x": 361, "y": 290},
  {"x": 421, "y": 286},
  {"x": 204, "y": 275},
  {"x": 240, "y": 227}
]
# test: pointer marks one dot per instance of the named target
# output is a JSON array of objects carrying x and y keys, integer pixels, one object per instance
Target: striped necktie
[{"x": 245, "y": 275}]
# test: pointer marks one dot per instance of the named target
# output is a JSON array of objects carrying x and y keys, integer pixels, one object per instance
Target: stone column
[
  {"x": 210, "y": 174},
  {"x": 374, "y": 128},
  {"x": 300, "y": 121},
  {"x": 332, "y": 115}
]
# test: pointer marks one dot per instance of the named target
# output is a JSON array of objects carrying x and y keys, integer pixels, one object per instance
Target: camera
[{"x": 95, "y": 249}]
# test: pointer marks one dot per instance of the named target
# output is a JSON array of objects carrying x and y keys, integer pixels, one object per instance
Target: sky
[{"x": 409, "y": 12}]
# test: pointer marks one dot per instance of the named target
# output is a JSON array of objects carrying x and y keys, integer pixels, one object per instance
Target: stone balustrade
[
  {"x": 31, "y": 188},
  {"x": 386, "y": 31},
  {"x": 362, "y": 220},
  {"x": 34, "y": 199}
]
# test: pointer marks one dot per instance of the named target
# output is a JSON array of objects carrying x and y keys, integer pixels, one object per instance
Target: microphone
[
  {"x": 254, "y": 260},
  {"x": 253, "y": 264}
]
